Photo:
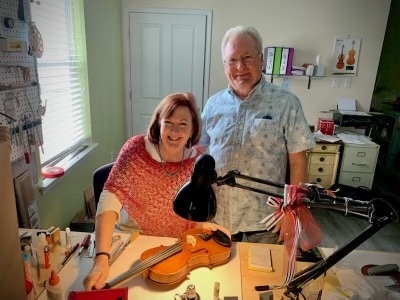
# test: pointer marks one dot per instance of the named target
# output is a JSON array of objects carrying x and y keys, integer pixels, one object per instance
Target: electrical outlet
[
  {"x": 347, "y": 82},
  {"x": 336, "y": 82}
]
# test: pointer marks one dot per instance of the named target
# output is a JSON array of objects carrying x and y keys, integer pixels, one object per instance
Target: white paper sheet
[{"x": 347, "y": 104}]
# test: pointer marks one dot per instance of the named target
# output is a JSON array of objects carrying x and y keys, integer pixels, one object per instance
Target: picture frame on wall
[{"x": 345, "y": 56}]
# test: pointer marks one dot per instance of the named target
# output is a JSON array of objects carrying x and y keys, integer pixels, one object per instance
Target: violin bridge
[{"x": 190, "y": 239}]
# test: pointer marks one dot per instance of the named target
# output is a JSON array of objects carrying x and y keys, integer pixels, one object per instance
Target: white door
[{"x": 169, "y": 52}]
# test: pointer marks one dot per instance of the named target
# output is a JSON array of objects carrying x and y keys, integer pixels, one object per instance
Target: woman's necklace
[{"x": 169, "y": 174}]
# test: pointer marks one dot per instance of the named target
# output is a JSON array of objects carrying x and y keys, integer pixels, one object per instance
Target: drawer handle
[
  {"x": 320, "y": 169},
  {"x": 358, "y": 164},
  {"x": 323, "y": 147},
  {"x": 318, "y": 180},
  {"x": 321, "y": 158}
]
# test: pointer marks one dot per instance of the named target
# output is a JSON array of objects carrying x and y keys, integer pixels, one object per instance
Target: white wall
[{"x": 310, "y": 26}]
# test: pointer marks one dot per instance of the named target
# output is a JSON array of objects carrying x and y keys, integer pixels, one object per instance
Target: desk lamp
[{"x": 197, "y": 196}]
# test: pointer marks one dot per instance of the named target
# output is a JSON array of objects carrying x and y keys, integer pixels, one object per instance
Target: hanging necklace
[{"x": 169, "y": 174}]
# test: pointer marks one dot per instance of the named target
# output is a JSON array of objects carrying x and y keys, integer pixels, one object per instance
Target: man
[{"x": 255, "y": 127}]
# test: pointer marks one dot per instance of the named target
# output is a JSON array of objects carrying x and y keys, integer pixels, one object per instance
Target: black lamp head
[{"x": 196, "y": 200}]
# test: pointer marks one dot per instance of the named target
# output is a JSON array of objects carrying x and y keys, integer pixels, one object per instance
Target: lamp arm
[
  {"x": 380, "y": 216},
  {"x": 229, "y": 179},
  {"x": 359, "y": 211}
]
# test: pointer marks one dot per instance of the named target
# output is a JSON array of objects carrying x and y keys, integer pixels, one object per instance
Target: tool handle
[{"x": 86, "y": 241}]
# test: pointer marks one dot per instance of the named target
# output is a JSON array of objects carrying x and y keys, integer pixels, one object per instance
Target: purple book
[{"x": 290, "y": 62}]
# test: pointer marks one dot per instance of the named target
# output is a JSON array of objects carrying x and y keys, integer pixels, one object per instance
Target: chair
[{"x": 100, "y": 176}]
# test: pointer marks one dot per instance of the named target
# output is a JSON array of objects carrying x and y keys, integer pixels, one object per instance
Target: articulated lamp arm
[{"x": 377, "y": 211}]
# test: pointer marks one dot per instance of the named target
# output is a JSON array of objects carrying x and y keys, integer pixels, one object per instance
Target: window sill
[{"x": 47, "y": 183}]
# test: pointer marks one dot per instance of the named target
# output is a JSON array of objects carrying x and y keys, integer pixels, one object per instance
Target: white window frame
[{"x": 64, "y": 88}]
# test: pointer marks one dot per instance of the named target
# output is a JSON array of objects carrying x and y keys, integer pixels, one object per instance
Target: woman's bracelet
[{"x": 104, "y": 253}]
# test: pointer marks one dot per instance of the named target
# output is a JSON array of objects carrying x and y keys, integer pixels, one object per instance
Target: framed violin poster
[{"x": 345, "y": 56}]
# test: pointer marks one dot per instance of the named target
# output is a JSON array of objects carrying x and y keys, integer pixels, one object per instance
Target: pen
[
  {"x": 85, "y": 243},
  {"x": 68, "y": 257}
]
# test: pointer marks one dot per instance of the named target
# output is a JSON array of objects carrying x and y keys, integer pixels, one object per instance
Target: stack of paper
[{"x": 260, "y": 258}]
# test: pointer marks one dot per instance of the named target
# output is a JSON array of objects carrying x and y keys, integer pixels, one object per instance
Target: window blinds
[{"x": 62, "y": 73}]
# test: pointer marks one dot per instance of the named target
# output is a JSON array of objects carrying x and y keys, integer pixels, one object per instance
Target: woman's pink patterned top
[{"x": 146, "y": 192}]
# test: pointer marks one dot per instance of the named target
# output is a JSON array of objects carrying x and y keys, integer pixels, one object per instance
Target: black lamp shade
[
  {"x": 195, "y": 204},
  {"x": 196, "y": 199}
]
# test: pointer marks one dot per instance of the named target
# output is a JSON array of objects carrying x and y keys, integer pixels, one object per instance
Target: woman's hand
[{"x": 97, "y": 276}]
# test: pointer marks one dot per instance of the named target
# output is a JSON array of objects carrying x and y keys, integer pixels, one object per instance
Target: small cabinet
[
  {"x": 358, "y": 164},
  {"x": 323, "y": 162}
]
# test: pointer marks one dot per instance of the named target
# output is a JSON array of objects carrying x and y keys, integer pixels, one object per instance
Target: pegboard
[{"x": 20, "y": 104}]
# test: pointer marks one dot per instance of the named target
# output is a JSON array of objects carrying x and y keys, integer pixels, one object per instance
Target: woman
[{"x": 145, "y": 178}]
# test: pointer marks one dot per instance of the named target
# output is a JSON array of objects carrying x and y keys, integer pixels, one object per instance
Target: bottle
[
  {"x": 27, "y": 263},
  {"x": 54, "y": 288},
  {"x": 43, "y": 252},
  {"x": 68, "y": 244}
]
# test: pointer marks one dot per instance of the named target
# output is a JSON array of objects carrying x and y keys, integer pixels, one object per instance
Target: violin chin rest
[{"x": 222, "y": 238}]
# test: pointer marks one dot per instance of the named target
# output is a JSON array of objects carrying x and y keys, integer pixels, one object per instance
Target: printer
[
  {"x": 356, "y": 119},
  {"x": 348, "y": 116}
]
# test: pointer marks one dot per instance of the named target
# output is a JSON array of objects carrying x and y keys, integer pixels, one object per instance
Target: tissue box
[
  {"x": 326, "y": 126},
  {"x": 319, "y": 71}
]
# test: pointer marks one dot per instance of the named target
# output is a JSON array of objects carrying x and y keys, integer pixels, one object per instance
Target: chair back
[{"x": 100, "y": 176}]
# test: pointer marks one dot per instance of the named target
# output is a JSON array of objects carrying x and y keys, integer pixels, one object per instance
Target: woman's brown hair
[{"x": 166, "y": 108}]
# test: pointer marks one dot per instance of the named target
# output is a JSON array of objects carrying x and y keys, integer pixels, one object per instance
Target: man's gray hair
[{"x": 242, "y": 30}]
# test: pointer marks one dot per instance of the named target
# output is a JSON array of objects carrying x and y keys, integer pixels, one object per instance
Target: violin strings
[{"x": 151, "y": 261}]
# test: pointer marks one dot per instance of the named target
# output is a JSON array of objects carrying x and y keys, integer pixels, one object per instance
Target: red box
[{"x": 326, "y": 126}]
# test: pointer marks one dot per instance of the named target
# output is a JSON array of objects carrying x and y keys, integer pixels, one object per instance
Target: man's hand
[{"x": 277, "y": 228}]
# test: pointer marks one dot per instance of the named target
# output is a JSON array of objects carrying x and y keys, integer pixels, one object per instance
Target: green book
[{"x": 277, "y": 60}]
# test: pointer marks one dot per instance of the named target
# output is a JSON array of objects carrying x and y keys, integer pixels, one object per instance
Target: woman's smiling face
[{"x": 176, "y": 129}]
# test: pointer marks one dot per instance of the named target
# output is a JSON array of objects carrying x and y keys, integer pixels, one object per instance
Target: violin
[
  {"x": 351, "y": 59},
  {"x": 170, "y": 264},
  {"x": 340, "y": 63}
]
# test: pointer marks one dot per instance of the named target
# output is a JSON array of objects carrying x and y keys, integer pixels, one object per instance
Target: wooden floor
[{"x": 338, "y": 229}]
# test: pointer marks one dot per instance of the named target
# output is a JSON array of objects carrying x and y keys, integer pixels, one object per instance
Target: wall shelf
[{"x": 308, "y": 77}]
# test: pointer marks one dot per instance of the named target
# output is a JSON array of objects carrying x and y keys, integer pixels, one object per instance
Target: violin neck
[{"x": 143, "y": 266}]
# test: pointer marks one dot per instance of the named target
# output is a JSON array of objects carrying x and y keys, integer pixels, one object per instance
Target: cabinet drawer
[
  {"x": 332, "y": 148},
  {"x": 324, "y": 180},
  {"x": 359, "y": 159},
  {"x": 320, "y": 169},
  {"x": 356, "y": 179},
  {"x": 322, "y": 158}
]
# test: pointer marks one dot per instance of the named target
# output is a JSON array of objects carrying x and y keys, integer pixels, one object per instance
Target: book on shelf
[
  {"x": 269, "y": 53},
  {"x": 259, "y": 258},
  {"x": 277, "y": 61},
  {"x": 289, "y": 64},
  {"x": 284, "y": 60}
]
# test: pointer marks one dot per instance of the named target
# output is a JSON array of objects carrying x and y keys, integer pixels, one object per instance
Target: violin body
[
  {"x": 196, "y": 251},
  {"x": 351, "y": 60},
  {"x": 170, "y": 264}
]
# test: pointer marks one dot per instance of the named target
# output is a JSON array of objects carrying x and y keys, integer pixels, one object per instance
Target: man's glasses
[{"x": 245, "y": 59}]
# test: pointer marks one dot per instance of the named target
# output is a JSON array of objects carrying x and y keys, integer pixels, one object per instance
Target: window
[{"x": 62, "y": 75}]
